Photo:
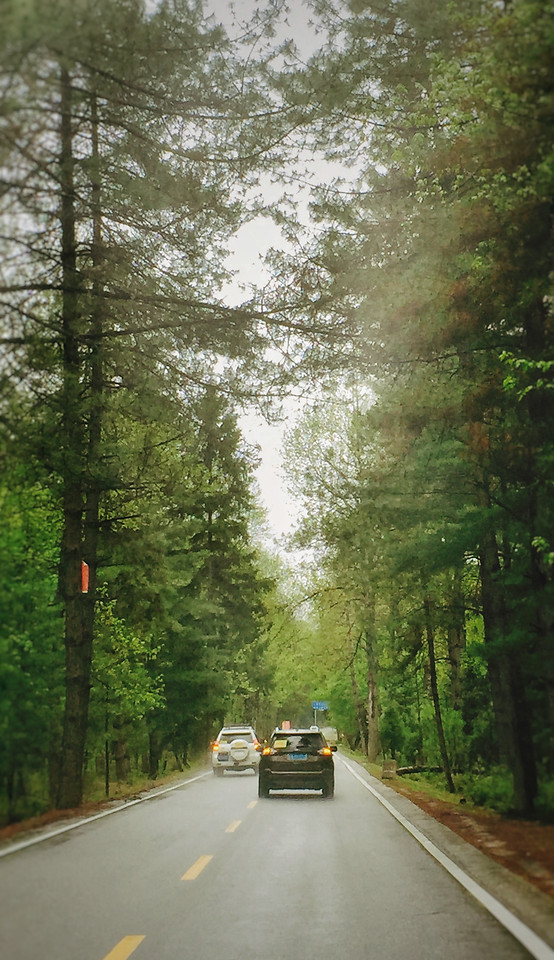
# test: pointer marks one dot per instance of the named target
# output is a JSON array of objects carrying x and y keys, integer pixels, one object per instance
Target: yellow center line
[
  {"x": 233, "y": 826},
  {"x": 124, "y": 948},
  {"x": 197, "y": 867},
  {"x": 252, "y": 804}
]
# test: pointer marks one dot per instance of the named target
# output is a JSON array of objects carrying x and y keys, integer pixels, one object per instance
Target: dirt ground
[{"x": 525, "y": 847}]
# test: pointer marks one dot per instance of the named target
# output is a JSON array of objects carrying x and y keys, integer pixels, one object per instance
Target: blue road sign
[{"x": 320, "y": 705}]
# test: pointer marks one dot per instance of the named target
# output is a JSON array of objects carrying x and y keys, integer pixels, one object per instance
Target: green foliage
[
  {"x": 31, "y": 648},
  {"x": 545, "y": 799},
  {"x": 179, "y": 638},
  {"x": 184, "y": 572},
  {"x": 439, "y": 495},
  {"x": 426, "y": 476},
  {"x": 341, "y": 713},
  {"x": 492, "y": 789},
  {"x": 116, "y": 227},
  {"x": 394, "y": 733},
  {"x": 443, "y": 250},
  {"x": 120, "y": 671}
]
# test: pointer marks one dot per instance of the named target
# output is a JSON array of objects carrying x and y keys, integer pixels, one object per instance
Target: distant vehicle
[
  {"x": 235, "y": 748},
  {"x": 297, "y": 760}
]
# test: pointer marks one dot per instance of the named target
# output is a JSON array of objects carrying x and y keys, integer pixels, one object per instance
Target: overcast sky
[{"x": 246, "y": 257}]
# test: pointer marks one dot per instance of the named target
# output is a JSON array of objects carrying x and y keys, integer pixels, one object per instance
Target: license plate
[{"x": 299, "y": 756}]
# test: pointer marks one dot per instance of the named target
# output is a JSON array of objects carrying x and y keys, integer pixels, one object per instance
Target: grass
[
  {"x": 489, "y": 791},
  {"x": 431, "y": 784},
  {"x": 138, "y": 782},
  {"x": 34, "y": 805}
]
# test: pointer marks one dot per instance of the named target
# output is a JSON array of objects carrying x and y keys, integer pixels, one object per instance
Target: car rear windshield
[
  {"x": 235, "y": 735},
  {"x": 298, "y": 742}
]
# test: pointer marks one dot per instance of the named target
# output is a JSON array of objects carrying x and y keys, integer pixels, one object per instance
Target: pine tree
[
  {"x": 443, "y": 253},
  {"x": 126, "y": 146}
]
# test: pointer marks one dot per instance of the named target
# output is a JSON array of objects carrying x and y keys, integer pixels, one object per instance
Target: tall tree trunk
[
  {"x": 456, "y": 643},
  {"x": 121, "y": 751},
  {"x": 83, "y": 441},
  {"x": 95, "y": 404},
  {"x": 155, "y": 754},
  {"x": 435, "y": 695},
  {"x": 508, "y": 691},
  {"x": 77, "y": 650},
  {"x": 419, "y": 754},
  {"x": 359, "y": 705},
  {"x": 373, "y": 741},
  {"x": 540, "y": 409}
]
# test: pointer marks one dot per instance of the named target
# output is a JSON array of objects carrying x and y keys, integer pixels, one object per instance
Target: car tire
[
  {"x": 328, "y": 790},
  {"x": 263, "y": 789}
]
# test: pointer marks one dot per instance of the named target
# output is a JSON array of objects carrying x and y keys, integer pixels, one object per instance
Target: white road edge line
[
  {"x": 536, "y": 947},
  {"x": 97, "y": 816}
]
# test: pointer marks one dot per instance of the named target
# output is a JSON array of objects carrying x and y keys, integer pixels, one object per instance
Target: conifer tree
[
  {"x": 443, "y": 252},
  {"x": 129, "y": 138}
]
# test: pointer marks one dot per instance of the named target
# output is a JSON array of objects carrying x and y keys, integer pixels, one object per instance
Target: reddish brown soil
[
  {"x": 525, "y": 847},
  {"x": 14, "y": 830}
]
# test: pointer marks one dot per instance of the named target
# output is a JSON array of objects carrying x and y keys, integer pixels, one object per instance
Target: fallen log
[{"x": 419, "y": 769}]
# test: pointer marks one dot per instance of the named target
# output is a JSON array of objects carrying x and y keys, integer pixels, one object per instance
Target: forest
[{"x": 409, "y": 304}]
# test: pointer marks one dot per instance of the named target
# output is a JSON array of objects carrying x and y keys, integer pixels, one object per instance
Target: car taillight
[
  {"x": 215, "y": 746},
  {"x": 267, "y": 751},
  {"x": 325, "y": 751},
  {"x": 257, "y": 745}
]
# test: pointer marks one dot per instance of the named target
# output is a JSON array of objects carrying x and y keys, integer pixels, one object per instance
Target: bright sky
[
  {"x": 251, "y": 244},
  {"x": 278, "y": 505}
]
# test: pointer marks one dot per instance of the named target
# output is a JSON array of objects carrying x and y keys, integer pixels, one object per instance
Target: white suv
[{"x": 236, "y": 748}]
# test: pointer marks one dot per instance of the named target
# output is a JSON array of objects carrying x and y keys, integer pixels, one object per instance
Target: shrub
[
  {"x": 493, "y": 790},
  {"x": 544, "y": 805}
]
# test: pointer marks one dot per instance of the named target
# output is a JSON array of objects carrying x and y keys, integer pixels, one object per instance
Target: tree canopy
[
  {"x": 442, "y": 248},
  {"x": 135, "y": 140}
]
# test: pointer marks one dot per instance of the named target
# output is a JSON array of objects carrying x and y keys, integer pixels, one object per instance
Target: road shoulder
[{"x": 529, "y": 905}]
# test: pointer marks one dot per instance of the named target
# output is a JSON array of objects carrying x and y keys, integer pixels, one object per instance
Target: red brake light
[{"x": 325, "y": 751}]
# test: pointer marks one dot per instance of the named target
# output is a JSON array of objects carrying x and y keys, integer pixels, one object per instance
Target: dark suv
[{"x": 297, "y": 760}]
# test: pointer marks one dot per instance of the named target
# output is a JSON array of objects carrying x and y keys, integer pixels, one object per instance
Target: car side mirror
[{"x": 333, "y": 747}]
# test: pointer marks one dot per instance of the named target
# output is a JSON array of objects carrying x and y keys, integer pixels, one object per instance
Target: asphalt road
[{"x": 209, "y": 872}]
